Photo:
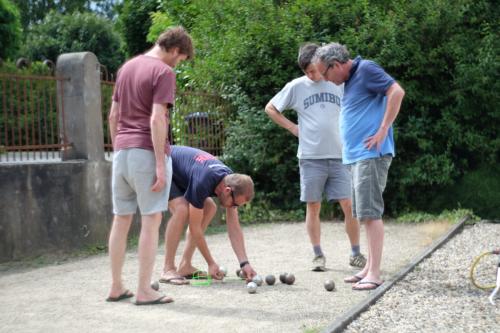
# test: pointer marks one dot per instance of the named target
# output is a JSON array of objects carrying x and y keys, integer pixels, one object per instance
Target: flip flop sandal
[
  {"x": 126, "y": 294},
  {"x": 353, "y": 279},
  {"x": 176, "y": 280},
  {"x": 162, "y": 300},
  {"x": 373, "y": 285}
]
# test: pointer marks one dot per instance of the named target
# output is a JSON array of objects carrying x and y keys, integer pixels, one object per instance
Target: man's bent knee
[{"x": 179, "y": 207}]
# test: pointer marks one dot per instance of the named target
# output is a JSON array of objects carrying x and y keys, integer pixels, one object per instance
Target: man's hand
[
  {"x": 160, "y": 179},
  {"x": 214, "y": 271},
  {"x": 249, "y": 272},
  {"x": 294, "y": 130},
  {"x": 377, "y": 139}
]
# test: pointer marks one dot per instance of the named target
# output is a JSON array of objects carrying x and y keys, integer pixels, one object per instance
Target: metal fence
[
  {"x": 197, "y": 120},
  {"x": 31, "y": 119}
]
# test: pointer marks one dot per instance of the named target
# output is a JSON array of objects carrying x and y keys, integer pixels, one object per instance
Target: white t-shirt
[{"x": 318, "y": 107}]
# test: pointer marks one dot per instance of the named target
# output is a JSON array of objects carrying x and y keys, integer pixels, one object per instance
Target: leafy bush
[
  {"x": 445, "y": 55},
  {"x": 10, "y": 29},
  {"x": 75, "y": 32}
]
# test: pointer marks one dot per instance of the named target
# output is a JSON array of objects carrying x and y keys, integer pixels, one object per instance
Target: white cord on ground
[{"x": 495, "y": 291}]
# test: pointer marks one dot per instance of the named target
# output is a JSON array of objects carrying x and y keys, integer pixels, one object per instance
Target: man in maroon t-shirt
[{"x": 142, "y": 169}]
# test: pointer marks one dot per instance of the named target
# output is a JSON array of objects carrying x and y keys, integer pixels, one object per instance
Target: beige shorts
[
  {"x": 134, "y": 172},
  {"x": 369, "y": 178}
]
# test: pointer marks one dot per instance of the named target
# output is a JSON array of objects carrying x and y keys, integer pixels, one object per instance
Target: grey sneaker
[
  {"x": 358, "y": 260},
  {"x": 319, "y": 264}
]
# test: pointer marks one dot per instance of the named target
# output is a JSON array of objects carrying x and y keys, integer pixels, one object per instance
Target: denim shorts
[
  {"x": 328, "y": 176},
  {"x": 369, "y": 178},
  {"x": 134, "y": 172}
]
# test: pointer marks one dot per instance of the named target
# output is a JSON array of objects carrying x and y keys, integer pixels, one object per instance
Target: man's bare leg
[
  {"x": 351, "y": 224},
  {"x": 117, "y": 246},
  {"x": 376, "y": 230},
  {"x": 179, "y": 208},
  {"x": 185, "y": 266},
  {"x": 375, "y": 236},
  {"x": 313, "y": 224},
  {"x": 148, "y": 245}
]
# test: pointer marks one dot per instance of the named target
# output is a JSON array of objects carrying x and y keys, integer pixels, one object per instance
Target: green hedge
[{"x": 445, "y": 55}]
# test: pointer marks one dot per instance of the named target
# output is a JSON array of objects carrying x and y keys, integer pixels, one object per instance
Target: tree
[
  {"x": 34, "y": 11},
  {"x": 10, "y": 29},
  {"x": 75, "y": 32},
  {"x": 134, "y": 21}
]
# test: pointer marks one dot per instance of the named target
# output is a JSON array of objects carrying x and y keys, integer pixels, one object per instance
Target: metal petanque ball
[
  {"x": 258, "y": 280},
  {"x": 329, "y": 285},
  {"x": 283, "y": 277},
  {"x": 155, "y": 285},
  {"x": 252, "y": 287},
  {"x": 242, "y": 274},
  {"x": 270, "y": 279},
  {"x": 290, "y": 278},
  {"x": 223, "y": 270},
  {"x": 238, "y": 272}
]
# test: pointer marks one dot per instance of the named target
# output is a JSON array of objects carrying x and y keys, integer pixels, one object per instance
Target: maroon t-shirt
[{"x": 141, "y": 81}]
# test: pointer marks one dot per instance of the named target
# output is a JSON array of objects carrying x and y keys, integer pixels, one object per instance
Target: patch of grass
[
  {"x": 449, "y": 216},
  {"x": 312, "y": 330}
]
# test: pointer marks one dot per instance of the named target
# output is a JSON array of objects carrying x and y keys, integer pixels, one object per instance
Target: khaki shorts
[
  {"x": 134, "y": 172},
  {"x": 369, "y": 178}
]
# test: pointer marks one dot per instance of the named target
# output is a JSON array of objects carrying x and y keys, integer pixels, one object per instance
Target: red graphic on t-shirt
[{"x": 203, "y": 157}]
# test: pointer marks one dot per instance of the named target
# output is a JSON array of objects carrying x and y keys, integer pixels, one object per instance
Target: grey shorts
[
  {"x": 134, "y": 172},
  {"x": 369, "y": 178},
  {"x": 327, "y": 176}
]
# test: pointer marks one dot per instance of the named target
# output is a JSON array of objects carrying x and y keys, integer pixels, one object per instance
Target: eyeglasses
[
  {"x": 326, "y": 70},
  {"x": 232, "y": 196}
]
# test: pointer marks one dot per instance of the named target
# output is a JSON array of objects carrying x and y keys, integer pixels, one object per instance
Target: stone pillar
[{"x": 81, "y": 102}]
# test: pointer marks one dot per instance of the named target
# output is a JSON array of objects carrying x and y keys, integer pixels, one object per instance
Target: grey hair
[{"x": 329, "y": 53}]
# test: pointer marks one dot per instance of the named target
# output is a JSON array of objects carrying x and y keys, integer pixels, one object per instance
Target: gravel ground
[
  {"x": 69, "y": 297},
  {"x": 437, "y": 296}
]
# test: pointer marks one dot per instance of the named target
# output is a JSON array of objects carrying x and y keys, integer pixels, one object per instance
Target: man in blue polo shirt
[
  {"x": 371, "y": 103},
  {"x": 198, "y": 176}
]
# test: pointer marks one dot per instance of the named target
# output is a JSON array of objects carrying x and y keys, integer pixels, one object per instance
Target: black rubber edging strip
[{"x": 348, "y": 317}]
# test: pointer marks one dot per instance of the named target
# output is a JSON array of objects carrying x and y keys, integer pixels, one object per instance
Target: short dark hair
[
  {"x": 176, "y": 37},
  {"x": 306, "y": 54},
  {"x": 241, "y": 185}
]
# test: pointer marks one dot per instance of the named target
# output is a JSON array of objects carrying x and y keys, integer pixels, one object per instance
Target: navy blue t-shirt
[{"x": 197, "y": 173}]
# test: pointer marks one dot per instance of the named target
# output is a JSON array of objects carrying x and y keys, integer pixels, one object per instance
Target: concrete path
[{"x": 69, "y": 297}]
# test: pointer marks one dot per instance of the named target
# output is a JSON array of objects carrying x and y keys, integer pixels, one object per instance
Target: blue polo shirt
[
  {"x": 362, "y": 111},
  {"x": 197, "y": 173}
]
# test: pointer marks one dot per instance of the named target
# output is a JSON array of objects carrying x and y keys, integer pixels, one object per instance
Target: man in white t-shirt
[{"x": 317, "y": 103}]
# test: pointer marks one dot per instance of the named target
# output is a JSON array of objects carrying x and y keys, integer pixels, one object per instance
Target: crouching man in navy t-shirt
[{"x": 198, "y": 176}]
